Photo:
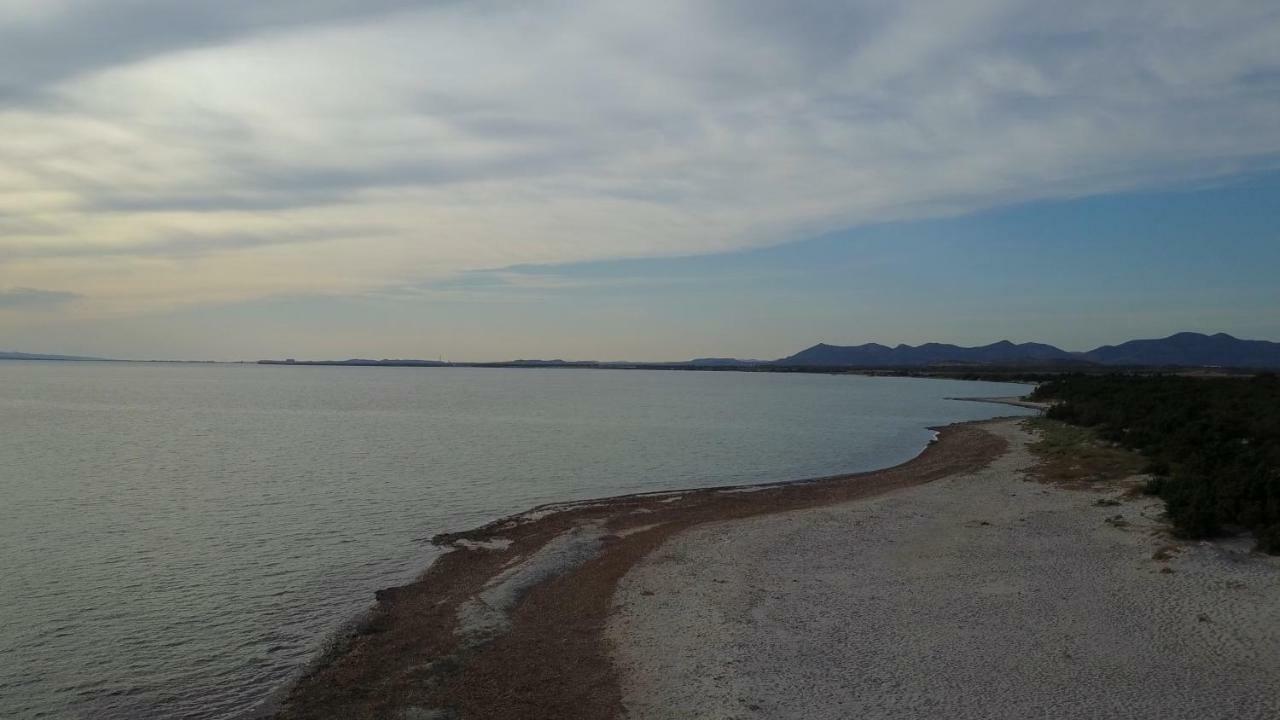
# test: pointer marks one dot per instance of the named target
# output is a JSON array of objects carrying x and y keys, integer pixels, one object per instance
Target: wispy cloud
[
  {"x": 183, "y": 244},
  {"x": 19, "y": 298}
]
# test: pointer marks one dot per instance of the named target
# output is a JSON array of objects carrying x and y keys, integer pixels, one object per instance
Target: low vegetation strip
[
  {"x": 1212, "y": 444},
  {"x": 1074, "y": 456}
]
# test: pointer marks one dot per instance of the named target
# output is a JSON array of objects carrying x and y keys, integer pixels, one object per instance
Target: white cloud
[{"x": 480, "y": 135}]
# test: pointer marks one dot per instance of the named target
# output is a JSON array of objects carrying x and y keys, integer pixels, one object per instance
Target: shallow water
[{"x": 176, "y": 540}]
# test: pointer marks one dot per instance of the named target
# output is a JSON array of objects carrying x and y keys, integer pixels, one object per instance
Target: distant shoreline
[
  {"x": 1180, "y": 352},
  {"x": 981, "y": 373}
]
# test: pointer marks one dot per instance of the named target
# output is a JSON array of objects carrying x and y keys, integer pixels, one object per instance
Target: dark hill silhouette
[
  {"x": 1191, "y": 349},
  {"x": 877, "y": 355},
  {"x": 1181, "y": 350}
]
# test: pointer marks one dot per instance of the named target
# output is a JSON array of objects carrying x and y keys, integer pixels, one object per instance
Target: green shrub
[{"x": 1213, "y": 444}]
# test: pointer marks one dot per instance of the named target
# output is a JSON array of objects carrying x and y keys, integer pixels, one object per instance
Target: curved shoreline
[{"x": 509, "y": 621}]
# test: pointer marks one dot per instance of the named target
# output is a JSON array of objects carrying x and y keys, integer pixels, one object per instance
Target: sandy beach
[
  {"x": 981, "y": 595},
  {"x": 949, "y": 586}
]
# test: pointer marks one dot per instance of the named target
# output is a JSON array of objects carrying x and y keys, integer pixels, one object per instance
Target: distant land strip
[{"x": 1182, "y": 351}]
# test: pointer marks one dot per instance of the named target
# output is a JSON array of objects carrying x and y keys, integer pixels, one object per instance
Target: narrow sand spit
[
  {"x": 980, "y": 595},
  {"x": 509, "y": 622}
]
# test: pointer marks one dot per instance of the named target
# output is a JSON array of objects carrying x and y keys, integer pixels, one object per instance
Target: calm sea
[{"x": 176, "y": 540}]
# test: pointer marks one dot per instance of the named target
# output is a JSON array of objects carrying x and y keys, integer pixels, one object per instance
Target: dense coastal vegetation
[{"x": 1213, "y": 444}]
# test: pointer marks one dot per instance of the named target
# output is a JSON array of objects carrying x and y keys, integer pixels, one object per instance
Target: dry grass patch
[{"x": 1076, "y": 457}]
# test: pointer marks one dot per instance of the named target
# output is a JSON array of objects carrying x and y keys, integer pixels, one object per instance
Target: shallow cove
[{"x": 178, "y": 539}]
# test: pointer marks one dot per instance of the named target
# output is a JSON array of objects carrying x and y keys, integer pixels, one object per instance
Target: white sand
[{"x": 908, "y": 606}]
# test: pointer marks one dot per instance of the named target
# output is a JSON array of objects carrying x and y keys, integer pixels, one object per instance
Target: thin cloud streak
[
  {"x": 181, "y": 244},
  {"x": 27, "y": 298}
]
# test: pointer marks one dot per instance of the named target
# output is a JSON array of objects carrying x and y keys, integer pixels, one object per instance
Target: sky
[{"x": 632, "y": 180}]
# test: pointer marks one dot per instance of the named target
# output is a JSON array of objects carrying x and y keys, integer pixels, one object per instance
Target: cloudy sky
[{"x": 643, "y": 180}]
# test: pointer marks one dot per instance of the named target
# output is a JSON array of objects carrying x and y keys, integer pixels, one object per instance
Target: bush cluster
[{"x": 1213, "y": 444}]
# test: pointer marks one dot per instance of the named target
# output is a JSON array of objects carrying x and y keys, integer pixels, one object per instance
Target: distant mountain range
[
  {"x": 1180, "y": 350},
  {"x": 1191, "y": 349}
]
